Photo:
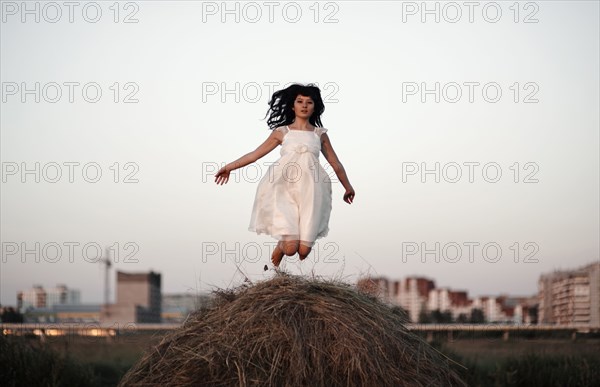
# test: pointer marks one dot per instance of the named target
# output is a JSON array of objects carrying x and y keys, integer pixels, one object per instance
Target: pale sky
[{"x": 377, "y": 63}]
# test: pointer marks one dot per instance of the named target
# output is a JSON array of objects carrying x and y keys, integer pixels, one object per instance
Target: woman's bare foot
[{"x": 277, "y": 255}]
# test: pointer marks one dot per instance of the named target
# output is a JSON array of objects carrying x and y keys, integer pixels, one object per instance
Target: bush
[{"x": 23, "y": 363}]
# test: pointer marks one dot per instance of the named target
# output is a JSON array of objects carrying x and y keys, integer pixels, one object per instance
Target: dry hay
[{"x": 293, "y": 331}]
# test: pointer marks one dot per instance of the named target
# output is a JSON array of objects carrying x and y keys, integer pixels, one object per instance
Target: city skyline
[
  {"x": 564, "y": 297},
  {"x": 392, "y": 280}
]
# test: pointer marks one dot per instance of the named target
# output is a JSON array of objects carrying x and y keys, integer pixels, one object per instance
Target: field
[
  {"x": 526, "y": 362},
  {"x": 490, "y": 361}
]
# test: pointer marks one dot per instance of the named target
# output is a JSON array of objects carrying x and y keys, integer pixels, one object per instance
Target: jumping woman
[{"x": 293, "y": 200}]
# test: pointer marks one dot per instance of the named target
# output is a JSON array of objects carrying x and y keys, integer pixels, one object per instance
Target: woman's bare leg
[
  {"x": 285, "y": 247},
  {"x": 303, "y": 251},
  {"x": 277, "y": 255},
  {"x": 290, "y": 247}
]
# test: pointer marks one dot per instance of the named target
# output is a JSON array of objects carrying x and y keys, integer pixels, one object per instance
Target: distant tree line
[{"x": 10, "y": 315}]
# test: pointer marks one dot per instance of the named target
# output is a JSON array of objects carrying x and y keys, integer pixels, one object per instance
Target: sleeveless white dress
[{"x": 293, "y": 199}]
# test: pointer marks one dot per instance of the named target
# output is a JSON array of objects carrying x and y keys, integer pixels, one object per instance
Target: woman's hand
[
  {"x": 222, "y": 177},
  {"x": 349, "y": 195}
]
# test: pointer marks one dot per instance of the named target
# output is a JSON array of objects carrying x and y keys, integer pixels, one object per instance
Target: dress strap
[
  {"x": 283, "y": 129},
  {"x": 320, "y": 131}
]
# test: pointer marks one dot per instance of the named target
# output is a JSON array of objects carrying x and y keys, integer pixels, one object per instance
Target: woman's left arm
[{"x": 338, "y": 168}]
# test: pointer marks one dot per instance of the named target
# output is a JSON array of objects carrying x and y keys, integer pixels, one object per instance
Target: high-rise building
[
  {"x": 570, "y": 296},
  {"x": 32, "y": 298},
  {"x": 61, "y": 295},
  {"x": 138, "y": 299},
  {"x": 413, "y": 293},
  {"x": 444, "y": 299},
  {"x": 38, "y": 298},
  {"x": 492, "y": 308}
]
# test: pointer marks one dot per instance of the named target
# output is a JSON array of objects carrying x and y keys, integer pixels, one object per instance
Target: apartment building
[
  {"x": 570, "y": 296},
  {"x": 445, "y": 299},
  {"x": 38, "y": 297},
  {"x": 410, "y": 293}
]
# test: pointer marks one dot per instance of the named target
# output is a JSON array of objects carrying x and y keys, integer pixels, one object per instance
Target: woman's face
[{"x": 303, "y": 106}]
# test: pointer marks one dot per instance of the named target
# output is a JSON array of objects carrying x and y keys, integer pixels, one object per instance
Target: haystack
[{"x": 293, "y": 331}]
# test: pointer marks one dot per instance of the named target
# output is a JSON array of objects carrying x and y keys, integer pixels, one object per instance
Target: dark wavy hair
[{"x": 282, "y": 101}]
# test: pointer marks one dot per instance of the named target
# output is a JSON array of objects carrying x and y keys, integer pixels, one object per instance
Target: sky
[{"x": 472, "y": 141}]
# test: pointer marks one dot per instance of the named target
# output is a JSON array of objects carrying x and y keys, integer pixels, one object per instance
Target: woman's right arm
[{"x": 274, "y": 139}]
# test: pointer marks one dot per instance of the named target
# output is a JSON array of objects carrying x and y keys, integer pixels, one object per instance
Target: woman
[{"x": 293, "y": 200}]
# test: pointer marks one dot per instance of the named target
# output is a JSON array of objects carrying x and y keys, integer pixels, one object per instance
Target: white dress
[{"x": 293, "y": 199}]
